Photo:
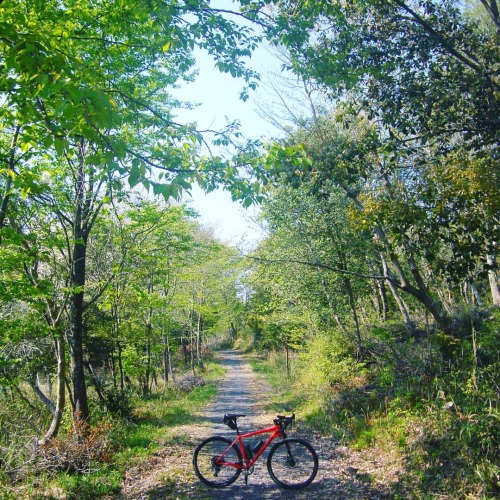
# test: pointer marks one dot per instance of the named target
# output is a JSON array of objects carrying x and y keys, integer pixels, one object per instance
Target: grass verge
[{"x": 152, "y": 428}]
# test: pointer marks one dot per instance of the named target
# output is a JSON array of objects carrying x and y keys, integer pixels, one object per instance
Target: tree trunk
[
  {"x": 339, "y": 323},
  {"x": 477, "y": 295},
  {"x": 184, "y": 344},
  {"x": 61, "y": 390},
  {"x": 403, "y": 309},
  {"x": 95, "y": 382},
  {"x": 49, "y": 383},
  {"x": 112, "y": 368},
  {"x": 198, "y": 342},
  {"x": 380, "y": 292},
  {"x": 168, "y": 372},
  {"x": 352, "y": 304},
  {"x": 492, "y": 276},
  {"x": 81, "y": 229},
  {"x": 287, "y": 356},
  {"x": 192, "y": 354},
  {"x": 170, "y": 367},
  {"x": 120, "y": 366},
  {"x": 4, "y": 205},
  {"x": 165, "y": 357},
  {"x": 40, "y": 395},
  {"x": 147, "y": 373},
  {"x": 234, "y": 332},
  {"x": 81, "y": 410},
  {"x": 8, "y": 180}
]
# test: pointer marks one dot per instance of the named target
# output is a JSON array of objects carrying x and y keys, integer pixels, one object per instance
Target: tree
[
  {"x": 379, "y": 194},
  {"x": 427, "y": 69},
  {"x": 316, "y": 233},
  {"x": 34, "y": 283},
  {"x": 102, "y": 71},
  {"x": 87, "y": 84},
  {"x": 159, "y": 239},
  {"x": 426, "y": 72},
  {"x": 207, "y": 298}
]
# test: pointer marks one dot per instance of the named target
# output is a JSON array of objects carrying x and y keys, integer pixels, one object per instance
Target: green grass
[
  {"x": 106, "y": 481},
  {"x": 154, "y": 425},
  {"x": 285, "y": 397},
  {"x": 156, "y": 419},
  {"x": 272, "y": 368}
]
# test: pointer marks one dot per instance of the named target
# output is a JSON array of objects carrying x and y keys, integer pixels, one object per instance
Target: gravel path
[
  {"x": 343, "y": 473},
  {"x": 241, "y": 391}
]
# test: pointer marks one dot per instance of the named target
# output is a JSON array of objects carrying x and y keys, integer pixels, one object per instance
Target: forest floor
[{"x": 343, "y": 473}]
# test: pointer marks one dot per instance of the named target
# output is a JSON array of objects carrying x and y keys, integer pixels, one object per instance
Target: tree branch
[
  {"x": 468, "y": 60},
  {"x": 323, "y": 266},
  {"x": 492, "y": 10}
]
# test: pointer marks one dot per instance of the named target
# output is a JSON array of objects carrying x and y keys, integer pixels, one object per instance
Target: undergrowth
[
  {"x": 435, "y": 399},
  {"x": 93, "y": 467}
]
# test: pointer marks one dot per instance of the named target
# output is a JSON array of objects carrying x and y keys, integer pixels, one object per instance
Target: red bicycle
[{"x": 292, "y": 463}]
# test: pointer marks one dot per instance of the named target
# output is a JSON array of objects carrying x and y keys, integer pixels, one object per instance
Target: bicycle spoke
[
  {"x": 214, "y": 462},
  {"x": 292, "y": 464}
]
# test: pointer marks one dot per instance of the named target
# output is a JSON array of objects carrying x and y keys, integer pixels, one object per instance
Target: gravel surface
[{"x": 343, "y": 473}]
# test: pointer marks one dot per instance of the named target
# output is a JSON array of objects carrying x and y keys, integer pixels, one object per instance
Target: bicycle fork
[{"x": 291, "y": 460}]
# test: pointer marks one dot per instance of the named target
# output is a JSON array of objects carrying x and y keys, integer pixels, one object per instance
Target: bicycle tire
[
  {"x": 292, "y": 463},
  {"x": 204, "y": 465}
]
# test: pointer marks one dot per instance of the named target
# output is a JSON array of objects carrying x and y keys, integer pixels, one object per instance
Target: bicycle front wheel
[
  {"x": 292, "y": 463},
  {"x": 216, "y": 462}
]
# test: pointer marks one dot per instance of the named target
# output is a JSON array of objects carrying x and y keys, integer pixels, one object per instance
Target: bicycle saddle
[
  {"x": 230, "y": 419},
  {"x": 233, "y": 415}
]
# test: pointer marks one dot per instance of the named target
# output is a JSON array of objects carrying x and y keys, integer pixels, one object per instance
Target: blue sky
[{"x": 219, "y": 102}]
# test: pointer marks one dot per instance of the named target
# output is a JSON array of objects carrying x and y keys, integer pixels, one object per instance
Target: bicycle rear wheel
[
  {"x": 216, "y": 462},
  {"x": 292, "y": 463}
]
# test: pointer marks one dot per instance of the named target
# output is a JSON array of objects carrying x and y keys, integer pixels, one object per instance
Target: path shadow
[
  {"x": 242, "y": 392},
  {"x": 256, "y": 489}
]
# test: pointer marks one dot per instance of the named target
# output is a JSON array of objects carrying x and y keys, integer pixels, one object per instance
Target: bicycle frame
[
  {"x": 275, "y": 432},
  {"x": 292, "y": 463}
]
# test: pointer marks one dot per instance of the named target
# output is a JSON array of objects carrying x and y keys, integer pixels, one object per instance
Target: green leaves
[
  {"x": 420, "y": 67},
  {"x": 101, "y": 72}
]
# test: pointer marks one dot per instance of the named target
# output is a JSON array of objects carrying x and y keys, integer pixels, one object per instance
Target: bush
[
  {"x": 79, "y": 452},
  {"x": 119, "y": 403},
  {"x": 21, "y": 422},
  {"x": 432, "y": 397}
]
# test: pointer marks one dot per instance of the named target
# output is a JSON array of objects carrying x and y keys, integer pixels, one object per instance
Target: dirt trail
[
  {"x": 343, "y": 473},
  {"x": 241, "y": 391}
]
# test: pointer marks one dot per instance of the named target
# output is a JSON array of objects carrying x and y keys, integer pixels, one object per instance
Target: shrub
[
  {"x": 119, "y": 403},
  {"x": 79, "y": 452}
]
